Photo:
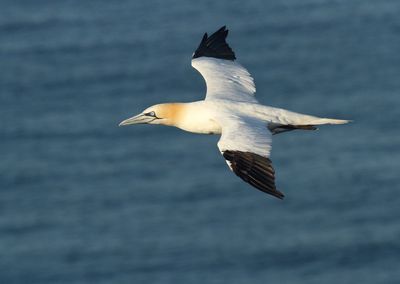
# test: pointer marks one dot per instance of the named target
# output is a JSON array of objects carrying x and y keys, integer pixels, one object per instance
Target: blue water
[{"x": 83, "y": 201}]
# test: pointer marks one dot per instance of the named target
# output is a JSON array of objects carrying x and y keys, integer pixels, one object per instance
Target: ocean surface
[{"x": 85, "y": 201}]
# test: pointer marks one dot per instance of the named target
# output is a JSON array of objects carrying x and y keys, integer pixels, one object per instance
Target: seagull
[{"x": 231, "y": 110}]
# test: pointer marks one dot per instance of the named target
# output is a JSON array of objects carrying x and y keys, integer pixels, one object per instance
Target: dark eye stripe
[{"x": 152, "y": 113}]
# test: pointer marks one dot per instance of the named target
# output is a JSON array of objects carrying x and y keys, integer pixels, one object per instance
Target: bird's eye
[{"x": 152, "y": 113}]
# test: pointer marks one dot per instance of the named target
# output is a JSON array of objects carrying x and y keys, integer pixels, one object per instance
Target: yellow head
[{"x": 166, "y": 114}]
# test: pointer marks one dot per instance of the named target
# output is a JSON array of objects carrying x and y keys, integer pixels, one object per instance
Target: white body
[{"x": 204, "y": 117}]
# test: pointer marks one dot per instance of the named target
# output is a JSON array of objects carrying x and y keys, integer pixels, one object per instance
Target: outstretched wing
[
  {"x": 246, "y": 144},
  {"x": 225, "y": 78}
]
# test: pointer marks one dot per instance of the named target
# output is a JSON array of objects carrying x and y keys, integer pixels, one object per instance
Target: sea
[{"x": 85, "y": 201}]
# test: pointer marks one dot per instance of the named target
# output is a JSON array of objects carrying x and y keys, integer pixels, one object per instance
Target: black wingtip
[
  {"x": 253, "y": 169},
  {"x": 215, "y": 46}
]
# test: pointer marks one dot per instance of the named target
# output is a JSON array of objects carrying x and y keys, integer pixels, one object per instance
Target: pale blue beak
[{"x": 138, "y": 119}]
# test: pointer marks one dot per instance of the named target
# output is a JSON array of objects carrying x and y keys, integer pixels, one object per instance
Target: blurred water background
[{"x": 83, "y": 201}]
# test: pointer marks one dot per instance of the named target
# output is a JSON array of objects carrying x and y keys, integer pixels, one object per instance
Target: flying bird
[{"x": 231, "y": 110}]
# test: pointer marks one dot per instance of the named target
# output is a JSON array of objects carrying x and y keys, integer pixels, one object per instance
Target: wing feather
[
  {"x": 225, "y": 79},
  {"x": 246, "y": 144}
]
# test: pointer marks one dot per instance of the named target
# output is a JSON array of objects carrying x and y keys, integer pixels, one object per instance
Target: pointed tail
[{"x": 320, "y": 121}]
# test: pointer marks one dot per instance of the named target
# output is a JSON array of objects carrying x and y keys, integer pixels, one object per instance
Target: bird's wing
[
  {"x": 225, "y": 78},
  {"x": 246, "y": 145}
]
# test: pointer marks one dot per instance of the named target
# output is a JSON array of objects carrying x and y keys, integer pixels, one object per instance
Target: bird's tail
[
  {"x": 277, "y": 117},
  {"x": 320, "y": 121},
  {"x": 306, "y": 122}
]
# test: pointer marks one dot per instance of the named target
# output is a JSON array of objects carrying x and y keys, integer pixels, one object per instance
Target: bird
[{"x": 231, "y": 110}]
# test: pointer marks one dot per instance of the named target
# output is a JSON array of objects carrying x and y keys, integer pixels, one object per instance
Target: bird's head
[{"x": 166, "y": 114}]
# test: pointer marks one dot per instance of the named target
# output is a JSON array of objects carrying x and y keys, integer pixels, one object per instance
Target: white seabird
[{"x": 231, "y": 110}]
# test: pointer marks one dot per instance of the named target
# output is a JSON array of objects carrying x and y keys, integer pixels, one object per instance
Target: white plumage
[
  {"x": 231, "y": 109},
  {"x": 225, "y": 79}
]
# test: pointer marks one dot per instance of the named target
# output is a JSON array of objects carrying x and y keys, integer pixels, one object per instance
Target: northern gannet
[{"x": 231, "y": 110}]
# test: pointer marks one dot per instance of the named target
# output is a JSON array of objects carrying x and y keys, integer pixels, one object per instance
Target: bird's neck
[{"x": 193, "y": 117}]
